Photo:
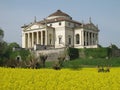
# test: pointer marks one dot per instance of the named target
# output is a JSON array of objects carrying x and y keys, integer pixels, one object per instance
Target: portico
[
  {"x": 39, "y": 36},
  {"x": 90, "y": 38}
]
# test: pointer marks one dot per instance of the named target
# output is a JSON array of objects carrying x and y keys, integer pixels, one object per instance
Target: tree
[
  {"x": 2, "y": 44},
  {"x": 13, "y": 45},
  {"x": 9, "y": 50},
  {"x": 3, "y": 49},
  {"x": 43, "y": 59},
  {"x": 114, "y": 46},
  {"x": 1, "y": 33}
]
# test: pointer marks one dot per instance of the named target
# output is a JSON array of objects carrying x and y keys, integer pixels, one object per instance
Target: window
[
  {"x": 50, "y": 41},
  {"x": 59, "y": 23},
  {"x": 50, "y": 38},
  {"x": 60, "y": 40},
  {"x": 50, "y": 24},
  {"x": 69, "y": 40},
  {"x": 69, "y": 24},
  {"x": 77, "y": 39}
]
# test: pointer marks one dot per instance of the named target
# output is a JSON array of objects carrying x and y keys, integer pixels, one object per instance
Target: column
[
  {"x": 28, "y": 40},
  {"x": 46, "y": 37},
  {"x": 32, "y": 39},
  {"x": 41, "y": 37},
  {"x": 91, "y": 38},
  {"x": 24, "y": 40},
  {"x": 88, "y": 38},
  {"x": 94, "y": 38},
  {"x": 97, "y": 39},
  {"x": 85, "y": 38},
  {"x": 82, "y": 38},
  {"x": 37, "y": 37}
]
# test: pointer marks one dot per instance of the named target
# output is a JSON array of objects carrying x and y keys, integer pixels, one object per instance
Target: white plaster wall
[
  {"x": 53, "y": 17},
  {"x": 78, "y": 31},
  {"x": 34, "y": 26},
  {"x": 92, "y": 46},
  {"x": 69, "y": 24},
  {"x": 69, "y": 32},
  {"x": 59, "y": 31},
  {"x": 56, "y": 24},
  {"x": 52, "y": 32}
]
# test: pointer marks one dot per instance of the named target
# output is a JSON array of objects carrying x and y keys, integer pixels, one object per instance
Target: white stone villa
[{"x": 60, "y": 30}]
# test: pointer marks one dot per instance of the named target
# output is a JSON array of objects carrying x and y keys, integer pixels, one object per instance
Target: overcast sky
[{"x": 105, "y": 13}]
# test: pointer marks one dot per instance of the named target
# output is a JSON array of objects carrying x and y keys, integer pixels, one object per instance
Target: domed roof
[{"x": 59, "y": 13}]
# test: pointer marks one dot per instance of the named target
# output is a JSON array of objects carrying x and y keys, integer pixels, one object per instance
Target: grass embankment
[{"x": 78, "y": 63}]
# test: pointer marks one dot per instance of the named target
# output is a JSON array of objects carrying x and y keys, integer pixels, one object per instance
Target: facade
[{"x": 59, "y": 30}]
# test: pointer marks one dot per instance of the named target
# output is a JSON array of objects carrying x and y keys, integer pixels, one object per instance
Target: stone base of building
[
  {"x": 53, "y": 53},
  {"x": 92, "y": 46}
]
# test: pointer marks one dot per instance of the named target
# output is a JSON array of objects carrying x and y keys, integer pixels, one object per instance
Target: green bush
[
  {"x": 73, "y": 53},
  {"x": 23, "y": 53},
  {"x": 96, "y": 52}
]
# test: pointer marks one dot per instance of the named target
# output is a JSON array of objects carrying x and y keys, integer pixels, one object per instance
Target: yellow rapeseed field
[{"x": 64, "y": 79}]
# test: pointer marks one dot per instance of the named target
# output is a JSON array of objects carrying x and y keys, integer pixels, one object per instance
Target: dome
[{"x": 57, "y": 14}]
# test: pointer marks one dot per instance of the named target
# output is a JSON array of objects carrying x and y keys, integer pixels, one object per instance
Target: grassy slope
[{"x": 77, "y": 63}]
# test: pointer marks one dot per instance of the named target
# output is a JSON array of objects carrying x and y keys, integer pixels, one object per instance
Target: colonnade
[
  {"x": 32, "y": 38},
  {"x": 86, "y": 38},
  {"x": 90, "y": 38}
]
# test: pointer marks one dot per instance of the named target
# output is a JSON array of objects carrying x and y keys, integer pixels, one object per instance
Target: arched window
[{"x": 77, "y": 39}]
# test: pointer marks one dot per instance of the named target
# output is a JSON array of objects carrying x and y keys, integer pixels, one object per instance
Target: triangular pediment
[
  {"x": 35, "y": 26},
  {"x": 91, "y": 26}
]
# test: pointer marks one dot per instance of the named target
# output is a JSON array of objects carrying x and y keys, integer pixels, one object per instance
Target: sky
[{"x": 105, "y": 13}]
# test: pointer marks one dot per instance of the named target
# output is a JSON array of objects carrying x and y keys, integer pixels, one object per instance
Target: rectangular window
[
  {"x": 60, "y": 40},
  {"x": 50, "y": 41},
  {"x": 69, "y": 24},
  {"x": 69, "y": 40}
]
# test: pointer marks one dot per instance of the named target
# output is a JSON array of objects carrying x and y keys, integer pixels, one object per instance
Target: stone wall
[{"x": 52, "y": 54}]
